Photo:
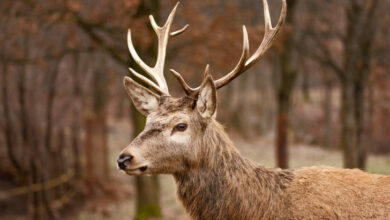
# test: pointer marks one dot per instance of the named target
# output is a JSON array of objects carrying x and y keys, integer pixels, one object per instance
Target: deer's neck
[{"x": 228, "y": 186}]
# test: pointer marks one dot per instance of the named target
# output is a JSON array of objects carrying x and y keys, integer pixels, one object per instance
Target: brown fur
[
  {"x": 228, "y": 186},
  {"x": 215, "y": 182}
]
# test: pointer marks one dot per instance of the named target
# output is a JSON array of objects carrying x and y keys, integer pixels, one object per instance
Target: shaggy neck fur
[{"x": 227, "y": 186}]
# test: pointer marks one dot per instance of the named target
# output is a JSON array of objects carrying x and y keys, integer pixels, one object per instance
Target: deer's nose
[{"x": 124, "y": 161}]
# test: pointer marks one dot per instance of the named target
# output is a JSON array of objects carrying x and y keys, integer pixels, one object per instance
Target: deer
[{"x": 214, "y": 181}]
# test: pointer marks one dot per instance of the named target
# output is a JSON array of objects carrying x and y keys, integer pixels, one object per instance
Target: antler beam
[{"x": 157, "y": 71}]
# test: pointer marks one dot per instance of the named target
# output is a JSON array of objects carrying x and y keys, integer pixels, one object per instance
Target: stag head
[{"x": 174, "y": 137}]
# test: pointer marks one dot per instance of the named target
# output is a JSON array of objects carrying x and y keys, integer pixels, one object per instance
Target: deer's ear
[
  {"x": 207, "y": 98},
  {"x": 144, "y": 100}
]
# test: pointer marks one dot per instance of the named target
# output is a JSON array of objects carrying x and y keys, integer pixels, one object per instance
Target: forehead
[{"x": 169, "y": 107}]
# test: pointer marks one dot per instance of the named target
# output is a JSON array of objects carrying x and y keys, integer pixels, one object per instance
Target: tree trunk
[
  {"x": 89, "y": 148},
  {"x": 366, "y": 43},
  {"x": 104, "y": 139},
  {"x": 287, "y": 81},
  {"x": 327, "y": 136},
  {"x": 48, "y": 152},
  {"x": 348, "y": 133},
  {"x": 358, "y": 42},
  {"x": 360, "y": 125},
  {"x": 281, "y": 139},
  {"x": 24, "y": 110},
  {"x": 282, "y": 124},
  {"x": 100, "y": 107},
  {"x": 33, "y": 197},
  {"x": 76, "y": 116},
  {"x": 8, "y": 128},
  {"x": 370, "y": 114},
  {"x": 99, "y": 136}
]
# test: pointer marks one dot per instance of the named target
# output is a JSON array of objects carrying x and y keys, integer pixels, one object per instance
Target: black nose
[{"x": 124, "y": 161}]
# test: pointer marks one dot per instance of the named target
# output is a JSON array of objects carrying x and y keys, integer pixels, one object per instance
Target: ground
[{"x": 260, "y": 150}]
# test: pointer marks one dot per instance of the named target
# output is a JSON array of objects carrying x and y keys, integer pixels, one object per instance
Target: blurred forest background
[{"x": 320, "y": 96}]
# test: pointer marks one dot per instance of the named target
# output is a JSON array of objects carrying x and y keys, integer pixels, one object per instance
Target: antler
[
  {"x": 244, "y": 63},
  {"x": 156, "y": 72}
]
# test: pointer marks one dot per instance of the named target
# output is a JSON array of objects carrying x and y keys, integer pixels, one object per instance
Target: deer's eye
[{"x": 181, "y": 127}]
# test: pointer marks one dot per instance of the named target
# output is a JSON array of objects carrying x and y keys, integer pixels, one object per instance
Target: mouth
[{"x": 137, "y": 171}]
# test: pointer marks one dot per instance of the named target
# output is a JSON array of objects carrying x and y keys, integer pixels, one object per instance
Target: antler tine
[
  {"x": 157, "y": 71},
  {"x": 187, "y": 89},
  {"x": 240, "y": 65},
  {"x": 147, "y": 81},
  {"x": 206, "y": 71},
  {"x": 180, "y": 31},
  {"x": 163, "y": 34},
  {"x": 135, "y": 56},
  {"x": 270, "y": 35}
]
